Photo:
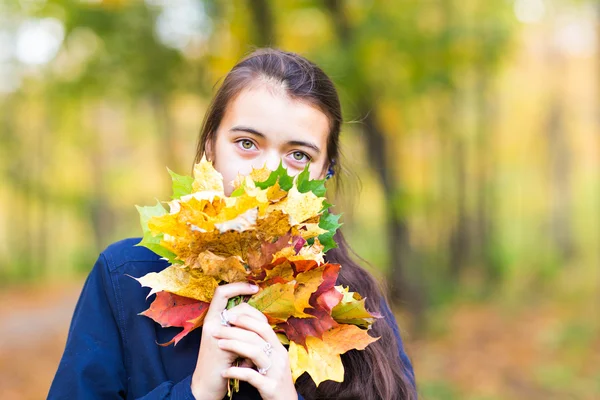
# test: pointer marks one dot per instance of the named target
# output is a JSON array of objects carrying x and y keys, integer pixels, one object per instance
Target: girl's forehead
[{"x": 275, "y": 114}]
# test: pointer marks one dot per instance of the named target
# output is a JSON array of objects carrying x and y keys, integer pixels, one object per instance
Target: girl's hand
[
  {"x": 221, "y": 345},
  {"x": 252, "y": 338},
  {"x": 207, "y": 381}
]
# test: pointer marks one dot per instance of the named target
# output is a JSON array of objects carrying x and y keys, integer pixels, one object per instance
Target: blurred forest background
[{"x": 473, "y": 127}]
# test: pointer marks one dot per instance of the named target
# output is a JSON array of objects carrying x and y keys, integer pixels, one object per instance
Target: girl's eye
[
  {"x": 300, "y": 156},
  {"x": 246, "y": 144}
]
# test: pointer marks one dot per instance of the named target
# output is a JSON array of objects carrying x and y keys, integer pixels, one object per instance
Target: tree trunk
[
  {"x": 263, "y": 22},
  {"x": 402, "y": 288}
]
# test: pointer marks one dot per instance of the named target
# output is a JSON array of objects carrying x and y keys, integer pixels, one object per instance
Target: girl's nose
[{"x": 272, "y": 161}]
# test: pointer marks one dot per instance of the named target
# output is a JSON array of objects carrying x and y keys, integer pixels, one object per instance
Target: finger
[
  {"x": 245, "y": 350},
  {"x": 245, "y": 374},
  {"x": 262, "y": 329},
  {"x": 245, "y": 309},
  {"x": 224, "y": 292},
  {"x": 243, "y": 335}
]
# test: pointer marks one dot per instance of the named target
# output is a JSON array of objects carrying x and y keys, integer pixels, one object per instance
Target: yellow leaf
[
  {"x": 313, "y": 252},
  {"x": 206, "y": 178},
  {"x": 183, "y": 281},
  {"x": 321, "y": 359},
  {"x": 306, "y": 284},
  {"x": 275, "y": 301},
  {"x": 275, "y": 193},
  {"x": 300, "y": 206},
  {"x": 286, "y": 252},
  {"x": 242, "y": 222},
  {"x": 283, "y": 270},
  {"x": 256, "y": 175},
  {"x": 228, "y": 269},
  {"x": 351, "y": 309},
  {"x": 311, "y": 231}
]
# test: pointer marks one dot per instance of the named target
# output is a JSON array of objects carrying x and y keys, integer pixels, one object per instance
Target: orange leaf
[{"x": 321, "y": 358}]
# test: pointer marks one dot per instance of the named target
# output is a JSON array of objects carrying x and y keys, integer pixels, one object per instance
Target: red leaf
[
  {"x": 169, "y": 309},
  {"x": 329, "y": 299},
  {"x": 257, "y": 259},
  {"x": 304, "y": 265},
  {"x": 297, "y": 329},
  {"x": 330, "y": 275}
]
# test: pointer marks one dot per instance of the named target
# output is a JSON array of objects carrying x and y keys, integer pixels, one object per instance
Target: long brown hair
[{"x": 378, "y": 371}]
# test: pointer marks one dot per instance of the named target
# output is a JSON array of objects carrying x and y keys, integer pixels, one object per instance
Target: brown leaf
[{"x": 228, "y": 269}]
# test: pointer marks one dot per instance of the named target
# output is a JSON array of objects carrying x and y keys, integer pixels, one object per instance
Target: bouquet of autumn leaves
[{"x": 273, "y": 232}]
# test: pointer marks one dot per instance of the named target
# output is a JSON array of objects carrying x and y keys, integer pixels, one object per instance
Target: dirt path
[
  {"x": 475, "y": 351},
  {"x": 35, "y": 322}
]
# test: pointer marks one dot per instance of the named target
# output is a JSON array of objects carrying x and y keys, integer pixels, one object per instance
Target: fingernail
[{"x": 254, "y": 288}]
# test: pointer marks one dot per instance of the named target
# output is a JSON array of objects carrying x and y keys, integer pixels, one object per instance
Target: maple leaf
[
  {"x": 275, "y": 301},
  {"x": 182, "y": 185},
  {"x": 299, "y": 329},
  {"x": 282, "y": 273},
  {"x": 312, "y": 252},
  {"x": 184, "y": 281},
  {"x": 169, "y": 309},
  {"x": 256, "y": 259},
  {"x": 300, "y": 206},
  {"x": 206, "y": 178},
  {"x": 321, "y": 357},
  {"x": 242, "y": 222},
  {"x": 351, "y": 309},
  {"x": 305, "y": 184},
  {"x": 329, "y": 299},
  {"x": 306, "y": 284},
  {"x": 273, "y": 231},
  {"x": 150, "y": 240},
  {"x": 321, "y": 300},
  {"x": 329, "y": 222},
  {"x": 264, "y": 178},
  {"x": 228, "y": 269}
]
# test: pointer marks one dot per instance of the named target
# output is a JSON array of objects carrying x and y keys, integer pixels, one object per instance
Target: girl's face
[{"x": 263, "y": 127}]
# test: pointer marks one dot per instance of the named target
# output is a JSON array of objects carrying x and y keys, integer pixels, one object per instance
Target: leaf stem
[{"x": 233, "y": 385}]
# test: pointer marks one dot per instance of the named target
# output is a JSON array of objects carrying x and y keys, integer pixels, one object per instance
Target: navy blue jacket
[{"x": 112, "y": 353}]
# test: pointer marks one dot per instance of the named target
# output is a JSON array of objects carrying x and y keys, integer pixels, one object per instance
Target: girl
[{"x": 272, "y": 106}]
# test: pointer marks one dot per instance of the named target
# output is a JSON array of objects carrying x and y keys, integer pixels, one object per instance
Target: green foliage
[
  {"x": 182, "y": 185},
  {"x": 279, "y": 175},
  {"x": 150, "y": 241},
  {"x": 329, "y": 222}
]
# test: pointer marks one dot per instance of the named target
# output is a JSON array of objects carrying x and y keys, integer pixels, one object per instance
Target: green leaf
[
  {"x": 329, "y": 222},
  {"x": 148, "y": 212},
  {"x": 153, "y": 243},
  {"x": 285, "y": 181},
  {"x": 281, "y": 175},
  {"x": 149, "y": 240},
  {"x": 326, "y": 205},
  {"x": 351, "y": 310},
  {"x": 305, "y": 184},
  {"x": 182, "y": 185},
  {"x": 237, "y": 192}
]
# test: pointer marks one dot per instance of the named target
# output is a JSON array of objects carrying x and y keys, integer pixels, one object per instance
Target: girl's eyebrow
[{"x": 262, "y": 135}]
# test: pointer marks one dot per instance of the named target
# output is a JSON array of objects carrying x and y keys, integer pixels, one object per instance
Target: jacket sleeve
[
  {"x": 389, "y": 317},
  {"x": 92, "y": 365},
  {"x": 173, "y": 391}
]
